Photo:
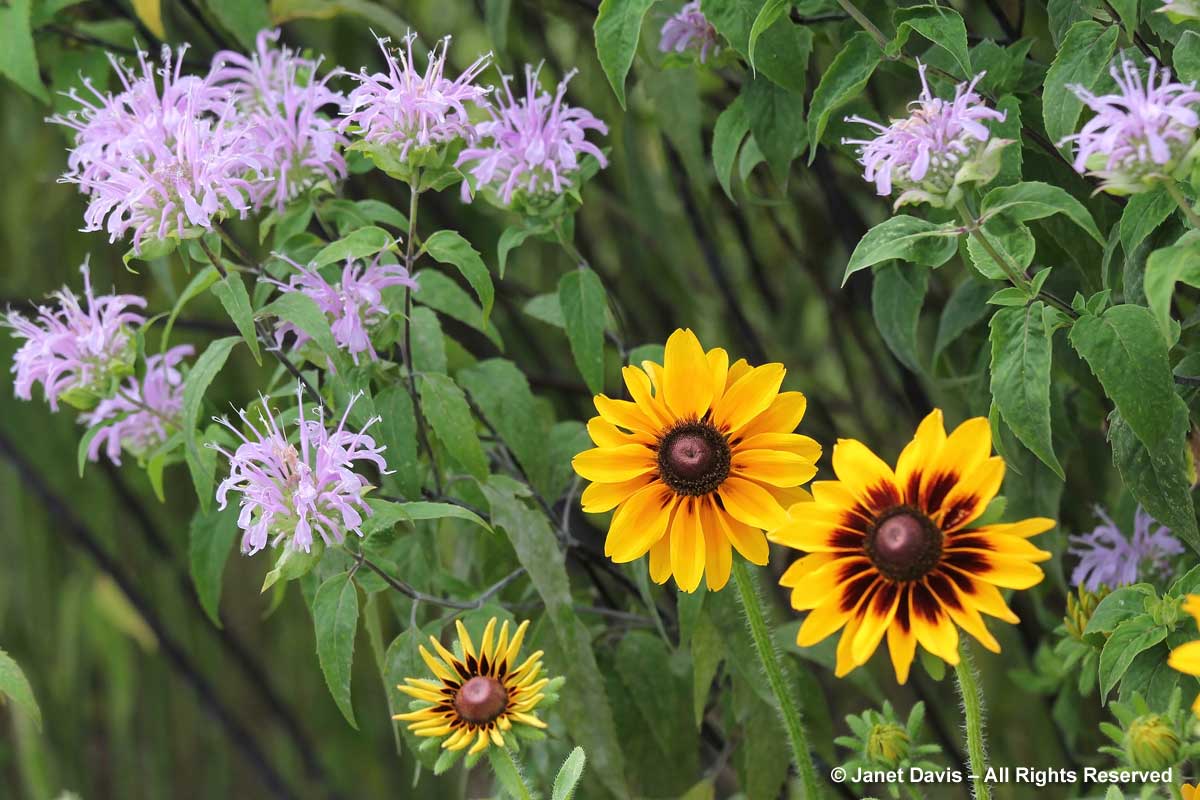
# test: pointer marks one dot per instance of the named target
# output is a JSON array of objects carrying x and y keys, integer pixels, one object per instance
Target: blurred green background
[{"x": 93, "y": 570}]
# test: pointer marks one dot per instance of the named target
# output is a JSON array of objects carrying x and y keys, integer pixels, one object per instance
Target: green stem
[
  {"x": 769, "y": 657},
  {"x": 1192, "y": 217},
  {"x": 508, "y": 769},
  {"x": 410, "y": 257},
  {"x": 863, "y": 22},
  {"x": 972, "y": 700},
  {"x": 569, "y": 247}
]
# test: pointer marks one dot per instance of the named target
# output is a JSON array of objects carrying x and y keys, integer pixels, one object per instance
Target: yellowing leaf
[{"x": 150, "y": 13}]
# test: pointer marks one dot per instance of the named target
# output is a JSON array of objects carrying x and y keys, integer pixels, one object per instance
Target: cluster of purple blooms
[
  {"x": 938, "y": 146},
  {"x": 353, "y": 304},
  {"x": 690, "y": 30},
  {"x": 288, "y": 493},
  {"x": 1142, "y": 133},
  {"x": 1109, "y": 558}
]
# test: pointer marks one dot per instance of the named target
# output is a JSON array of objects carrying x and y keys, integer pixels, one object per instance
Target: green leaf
[
  {"x": 293, "y": 564},
  {"x": 513, "y": 237},
  {"x": 1127, "y": 640},
  {"x": 195, "y": 385},
  {"x": 729, "y": 132},
  {"x": 1166, "y": 267},
  {"x": 386, "y": 513},
  {"x": 507, "y": 773},
  {"x": 1011, "y": 239},
  {"x": 428, "y": 341},
  {"x": 1082, "y": 59},
  {"x": 897, "y": 295},
  {"x": 374, "y": 13},
  {"x": 1032, "y": 200},
  {"x": 243, "y": 18},
  {"x": 771, "y": 11},
  {"x": 1021, "y": 358},
  {"x": 442, "y": 294},
  {"x": 18, "y": 57},
  {"x": 569, "y": 775},
  {"x": 1158, "y": 479},
  {"x": 335, "y": 621},
  {"x": 445, "y": 406},
  {"x": 618, "y": 26},
  {"x": 359, "y": 244},
  {"x": 398, "y": 432},
  {"x": 502, "y": 393},
  {"x": 1186, "y": 57},
  {"x": 585, "y": 706},
  {"x": 707, "y": 649},
  {"x": 85, "y": 441},
  {"x": 15, "y": 686},
  {"x": 780, "y": 52},
  {"x": 776, "y": 118},
  {"x": 584, "y": 307},
  {"x": 941, "y": 25},
  {"x": 231, "y": 291},
  {"x": 448, "y": 247},
  {"x": 211, "y": 537},
  {"x": 965, "y": 308},
  {"x": 303, "y": 312},
  {"x": 842, "y": 82},
  {"x": 1119, "y": 605},
  {"x": 907, "y": 239},
  {"x": 196, "y": 286},
  {"x": 1144, "y": 212}
]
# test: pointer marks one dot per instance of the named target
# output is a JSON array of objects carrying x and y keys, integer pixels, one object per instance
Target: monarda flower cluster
[
  {"x": 532, "y": 149},
  {"x": 77, "y": 352},
  {"x": 930, "y": 154},
  {"x": 690, "y": 30},
  {"x": 142, "y": 415},
  {"x": 1142, "y": 134},
  {"x": 171, "y": 155},
  {"x": 296, "y": 494},
  {"x": 1108, "y": 559}
]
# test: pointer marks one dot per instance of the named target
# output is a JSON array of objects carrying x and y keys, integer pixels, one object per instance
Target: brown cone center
[
  {"x": 905, "y": 545},
  {"x": 693, "y": 459},
  {"x": 480, "y": 699}
]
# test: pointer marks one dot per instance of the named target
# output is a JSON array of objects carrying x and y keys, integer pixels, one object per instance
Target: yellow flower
[
  {"x": 703, "y": 457},
  {"x": 478, "y": 695},
  {"x": 895, "y": 552},
  {"x": 1186, "y": 657},
  {"x": 1188, "y": 792}
]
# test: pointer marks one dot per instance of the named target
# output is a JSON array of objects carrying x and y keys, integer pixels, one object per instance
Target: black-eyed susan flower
[
  {"x": 895, "y": 552},
  {"x": 1186, "y": 657},
  {"x": 480, "y": 694},
  {"x": 701, "y": 459}
]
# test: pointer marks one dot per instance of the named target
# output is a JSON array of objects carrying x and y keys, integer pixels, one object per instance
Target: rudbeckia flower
[
  {"x": 896, "y": 553},
  {"x": 1186, "y": 657},
  {"x": 479, "y": 693},
  {"x": 703, "y": 457}
]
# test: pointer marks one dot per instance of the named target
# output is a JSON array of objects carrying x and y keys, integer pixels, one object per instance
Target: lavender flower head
[
  {"x": 533, "y": 145},
  {"x": 143, "y": 414},
  {"x": 163, "y": 157},
  {"x": 690, "y": 30},
  {"x": 1180, "y": 10},
  {"x": 1143, "y": 133},
  {"x": 939, "y": 146},
  {"x": 77, "y": 354},
  {"x": 1108, "y": 558},
  {"x": 279, "y": 97},
  {"x": 291, "y": 493},
  {"x": 353, "y": 305},
  {"x": 400, "y": 110}
]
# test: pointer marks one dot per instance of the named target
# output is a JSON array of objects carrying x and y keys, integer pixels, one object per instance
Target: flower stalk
[
  {"x": 508, "y": 769},
  {"x": 768, "y": 656},
  {"x": 973, "y": 711},
  {"x": 1180, "y": 200}
]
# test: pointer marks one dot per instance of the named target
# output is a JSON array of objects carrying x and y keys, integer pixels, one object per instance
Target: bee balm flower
[
  {"x": 76, "y": 354},
  {"x": 1107, "y": 558},
  {"x": 1143, "y": 133},
  {"x": 288, "y": 493},
  {"x": 938, "y": 147},
  {"x": 690, "y": 30},
  {"x": 144, "y": 414}
]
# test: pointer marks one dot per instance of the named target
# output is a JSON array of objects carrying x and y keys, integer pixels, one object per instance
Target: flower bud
[
  {"x": 887, "y": 744},
  {"x": 1151, "y": 743},
  {"x": 1080, "y": 608}
]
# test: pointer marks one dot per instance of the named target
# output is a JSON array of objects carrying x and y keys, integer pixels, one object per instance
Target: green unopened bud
[
  {"x": 1151, "y": 743},
  {"x": 1080, "y": 608},
  {"x": 887, "y": 744}
]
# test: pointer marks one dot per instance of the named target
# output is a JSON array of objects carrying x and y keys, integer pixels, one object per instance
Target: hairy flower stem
[
  {"x": 789, "y": 715},
  {"x": 508, "y": 769},
  {"x": 972, "y": 701},
  {"x": 1192, "y": 217}
]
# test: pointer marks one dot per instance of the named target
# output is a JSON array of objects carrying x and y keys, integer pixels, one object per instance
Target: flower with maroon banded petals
[
  {"x": 690, "y": 30},
  {"x": 1143, "y": 133},
  {"x": 1107, "y": 558},
  {"x": 353, "y": 305},
  {"x": 144, "y": 413},
  {"x": 77, "y": 354},
  {"x": 532, "y": 146},
  {"x": 938, "y": 147},
  {"x": 295, "y": 494}
]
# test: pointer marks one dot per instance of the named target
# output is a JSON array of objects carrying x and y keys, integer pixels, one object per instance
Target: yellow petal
[
  {"x": 749, "y": 397},
  {"x": 615, "y": 464},
  {"x": 902, "y": 641},
  {"x": 688, "y": 388},
  {"x": 752, "y": 504},
  {"x": 625, "y": 414},
  {"x": 919, "y": 455},
  {"x": 639, "y": 523},
  {"x": 638, "y": 383},
  {"x": 1185, "y": 658},
  {"x": 1024, "y": 529},
  {"x": 718, "y": 362},
  {"x": 464, "y": 639},
  {"x": 660, "y": 560},
  {"x": 718, "y": 555},
  {"x": 687, "y": 545},
  {"x": 964, "y": 449},
  {"x": 877, "y": 615},
  {"x": 737, "y": 370},
  {"x": 604, "y": 434},
  {"x": 600, "y": 497},
  {"x": 970, "y": 496},
  {"x": 829, "y": 581},
  {"x": 804, "y": 446},
  {"x": 773, "y": 466},
  {"x": 782, "y": 416},
  {"x": 865, "y": 476},
  {"x": 748, "y": 541}
]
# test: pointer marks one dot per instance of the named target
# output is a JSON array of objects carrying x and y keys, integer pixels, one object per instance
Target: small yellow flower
[
  {"x": 703, "y": 458},
  {"x": 479, "y": 695},
  {"x": 1186, "y": 657},
  {"x": 896, "y": 553}
]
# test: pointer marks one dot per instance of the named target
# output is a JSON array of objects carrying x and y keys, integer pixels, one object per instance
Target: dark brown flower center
[
  {"x": 480, "y": 700},
  {"x": 904, "y": 544},
  {"x": 693, "y": 458}
]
